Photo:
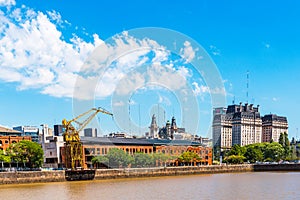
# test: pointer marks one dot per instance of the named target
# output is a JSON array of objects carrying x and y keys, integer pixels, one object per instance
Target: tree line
[
  {"x": 263, "y": 152},
  {"x": 117, "y": 158}
]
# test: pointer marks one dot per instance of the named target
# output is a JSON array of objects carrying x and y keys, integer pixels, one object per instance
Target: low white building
[{"x": 51, "y": 146}]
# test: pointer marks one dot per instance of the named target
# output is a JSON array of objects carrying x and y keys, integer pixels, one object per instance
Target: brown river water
[{"x": 253, "y": 185}]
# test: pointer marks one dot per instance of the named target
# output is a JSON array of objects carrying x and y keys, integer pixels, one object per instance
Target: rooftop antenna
[
  {"x": 247, "y": 93},
  {"x": 233, "y": 101}
]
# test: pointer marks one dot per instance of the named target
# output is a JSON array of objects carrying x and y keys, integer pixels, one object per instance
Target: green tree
[
  {"x": 27, "y": 152},
  {"x": 4, "y": 158},
  {"x": 160, "y": 158},
  {"x": 286, "y": 140},
  {"x": 118, "y": 158},
  {"x": 234, "y": 159},
  {"x": 100, "y": 161},
  {"x": 188, "y": 157},
  {"x": 143, "y": 160},
  {"x": 253, "y": 154},
  {"x": 285, "y": 143},
  {"x": 281, "y": 139},
  {"x": 237, "y": 150},
  {"x": 273, "y": 151}
]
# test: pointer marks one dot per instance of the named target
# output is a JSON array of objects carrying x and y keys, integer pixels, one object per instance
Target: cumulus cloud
[
  {"x": 34, "y": 54},
  {"x": 188, "y": 52},
  {"x": 7, "y": 2},
  {"x": 153, "y": 75},
  {"x": 199, "y": 89}
]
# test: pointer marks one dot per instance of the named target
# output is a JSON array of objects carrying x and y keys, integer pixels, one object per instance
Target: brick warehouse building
[
  {"x": 9, "y": 136},
  {"x": 96, "y": 146}
]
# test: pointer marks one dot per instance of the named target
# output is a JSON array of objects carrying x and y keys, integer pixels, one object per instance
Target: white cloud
[
  {"x": 275, "y": 99},
  {"x": 188, "y": 53},
  {"x": 214, "y": 50},
  {"x": 7, "y": 2},
  {"x": 34, "y": 55},
  {"x": 153, "y": 76},
  {"x": 119, "y": 104},
  {"x": 55, "y": 16},
  {"x": 200, "y": 90}
]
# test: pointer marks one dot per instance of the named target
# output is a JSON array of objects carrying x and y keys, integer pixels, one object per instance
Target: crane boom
[{"x": 73, "y": 145}]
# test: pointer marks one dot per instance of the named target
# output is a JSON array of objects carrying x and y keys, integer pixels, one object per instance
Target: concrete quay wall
[
  {"x": 59, "y": 176},
  {"x": 169, "y": 171},
  {"x": 20, "y": 177}
]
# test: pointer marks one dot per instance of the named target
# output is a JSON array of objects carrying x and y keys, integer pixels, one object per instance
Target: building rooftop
[
  {"x": 136, "y": 141},
  {"x": 273, "y": 117},
  {"x": 6, "y": 131}
]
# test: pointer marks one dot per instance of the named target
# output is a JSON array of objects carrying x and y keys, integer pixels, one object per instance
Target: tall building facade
[
  {"x": 243, "y": 125},
  {"x": 246, "y": 125},
  {"x": 272, "y": 126},
  {"x": 222, "y": 130}
]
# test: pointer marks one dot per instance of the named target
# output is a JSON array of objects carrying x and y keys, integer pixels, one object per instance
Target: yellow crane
[{"x": 73, "y": 146}]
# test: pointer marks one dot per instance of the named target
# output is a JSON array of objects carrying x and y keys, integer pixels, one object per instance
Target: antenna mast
[{"x": 247, "y": 92}]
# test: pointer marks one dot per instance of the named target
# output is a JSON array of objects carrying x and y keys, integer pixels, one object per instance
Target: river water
[{"x": 254, "y": 185}]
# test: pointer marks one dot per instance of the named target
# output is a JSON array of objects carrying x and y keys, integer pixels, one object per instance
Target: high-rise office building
[{"x": 272, "y": 126}]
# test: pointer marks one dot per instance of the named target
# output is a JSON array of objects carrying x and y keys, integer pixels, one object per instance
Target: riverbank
[{"x": 59, "y": 176}]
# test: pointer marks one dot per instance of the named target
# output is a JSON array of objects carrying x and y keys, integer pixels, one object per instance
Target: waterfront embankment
[{"x": 59, "y": 176}]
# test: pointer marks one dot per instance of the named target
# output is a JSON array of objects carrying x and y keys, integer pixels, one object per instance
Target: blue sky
[{"x": 44, "y": 44}]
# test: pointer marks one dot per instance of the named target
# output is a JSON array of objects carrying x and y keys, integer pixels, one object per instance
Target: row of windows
[{"x": 104, "y": 151}]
